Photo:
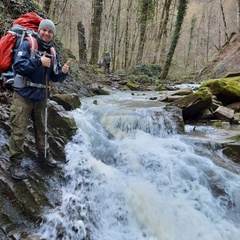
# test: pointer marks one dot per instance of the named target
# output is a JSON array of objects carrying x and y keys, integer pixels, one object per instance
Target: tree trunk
[
  {"x": 116, "y": 35},
  {"x": 224, "y": 22},
  {"x": 146, "y": 9},
  {"x": 46, "y": 5},
  {"x": 162, "y": 30},
  {"x": 96, "y": 30},
  {"x": 238, "y": 1},
  {"x": 182, "y": 8},
  {"x": 191, "y": 36},
  {"x": 82, "y": 47},
  {"x": 126, "y": 37}
]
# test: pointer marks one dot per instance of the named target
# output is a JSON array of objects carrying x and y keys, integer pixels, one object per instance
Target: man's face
[{"x": 46, "y": 35}]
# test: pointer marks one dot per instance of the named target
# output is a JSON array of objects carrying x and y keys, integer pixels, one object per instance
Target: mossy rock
[
  {"x": 208, "y": 83},
  {"x": 227, "y": 90},
  {"x": 132, "y": 86},
  {"x": 160, "y": 87},
  {"x": 193, "y": 104},
  {"x": 68, "y": 101}
]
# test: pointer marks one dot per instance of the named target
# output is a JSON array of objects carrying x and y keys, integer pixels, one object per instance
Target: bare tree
[
  {"x": 96, "y": 29},
  {"x": 126, "y": 37},
  {"x": 191, "y": 36},
  {"x": 107, "y": 43},
  {"x": 116, "y": 33},
  {"x": 224, "y": 21},
  {"x": 182, "y": 7},
  {"x": 238, "y": 2},
  {"x": 146, "y": 9},
  {"x": 82, "y": 43},
  {"x": 162, "y": 29}
]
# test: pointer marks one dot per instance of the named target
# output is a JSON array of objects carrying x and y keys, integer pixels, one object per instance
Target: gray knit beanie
[{"x": 46, "y": 23}]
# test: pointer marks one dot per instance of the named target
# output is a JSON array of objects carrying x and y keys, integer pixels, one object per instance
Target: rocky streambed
[{"x": 23, "y": 202}]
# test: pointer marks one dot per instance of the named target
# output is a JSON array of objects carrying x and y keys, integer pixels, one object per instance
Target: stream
[{"x": 131, "y": 176}]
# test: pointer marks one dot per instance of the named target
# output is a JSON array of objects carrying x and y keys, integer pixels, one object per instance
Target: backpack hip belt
[
  {"x": 37, "y": 85},
  {"x": 22, "y": 82}
]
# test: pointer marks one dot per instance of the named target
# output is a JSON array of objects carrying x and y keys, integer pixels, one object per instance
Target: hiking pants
[
  {"x": 107, "y": 68},
  {"x": 22, "y": 110}
]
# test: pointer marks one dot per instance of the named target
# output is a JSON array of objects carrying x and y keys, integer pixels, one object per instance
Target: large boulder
[
  {"x": 232, "y": 150},
  {"x": 177, "y": 94},
  {"x": 68, "y": 101},
  {"x": 62, "y": 127},
  {"x": 193, "y": 104},
  {"x": 227, "y": 90}
]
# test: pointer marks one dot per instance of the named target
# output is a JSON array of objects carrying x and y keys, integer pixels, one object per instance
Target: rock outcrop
[
  {"x": 226, "y": 60},
  {"x": 22, "y": 201}
]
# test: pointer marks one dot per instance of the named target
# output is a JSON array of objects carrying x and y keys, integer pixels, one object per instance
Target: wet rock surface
[{"x": 23, "y": 201}]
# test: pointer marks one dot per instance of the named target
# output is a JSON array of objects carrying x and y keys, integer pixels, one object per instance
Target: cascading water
[{"x": 131, "y": 176}]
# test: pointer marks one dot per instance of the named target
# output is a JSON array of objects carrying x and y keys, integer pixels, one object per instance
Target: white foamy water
[{"x": 136, "y": 185}]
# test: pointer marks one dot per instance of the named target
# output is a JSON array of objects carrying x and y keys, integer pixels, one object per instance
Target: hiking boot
[
  {"x": 18, "y": 173},
  {"x": 49, "y": 161}
]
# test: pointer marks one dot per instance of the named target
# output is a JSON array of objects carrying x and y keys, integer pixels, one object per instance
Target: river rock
[
  {"x": 68, "y": 101},
  {"x": 224, "y": 113},
  {"x": 194, "y": 103},
  {"x": 227, "y": 90}
]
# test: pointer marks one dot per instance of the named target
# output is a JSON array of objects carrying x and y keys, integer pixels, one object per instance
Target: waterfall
[{"x": 131, "y": 176}]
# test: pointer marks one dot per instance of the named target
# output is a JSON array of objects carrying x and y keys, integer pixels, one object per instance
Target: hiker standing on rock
[{"x": 30, "y": 96}]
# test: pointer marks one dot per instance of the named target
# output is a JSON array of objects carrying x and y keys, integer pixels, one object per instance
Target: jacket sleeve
[
  {"x": 23, "y": 63},
  {"x": 60, "y": 76}
]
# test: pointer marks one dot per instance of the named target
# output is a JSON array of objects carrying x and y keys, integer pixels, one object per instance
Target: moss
[
  {"x": 226, "y": 90},
  {"x": 144, "y": 79},
  {"x": 159, "y": 88},
  {"x": 218, "y": 124},
  {"x": 67, "y": 99},
  {"x": 236, "y": 138},
  {"x": 207, "y": 83},
  {"x": 203, "y": 94},
  {"x": 26, "y": 201},
  {"x": 72, "y": 127},
  {"x": 132, "y": 86}
]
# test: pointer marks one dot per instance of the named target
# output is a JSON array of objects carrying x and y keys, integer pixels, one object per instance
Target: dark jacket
[{"x": 31, "y": 68}]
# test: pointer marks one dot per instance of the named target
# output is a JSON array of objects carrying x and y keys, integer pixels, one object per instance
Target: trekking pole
[{"x": 45, "y": 117}]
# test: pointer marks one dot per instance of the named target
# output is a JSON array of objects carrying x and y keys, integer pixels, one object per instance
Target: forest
[
  {"x": 182, "y": 36},
  {"x": 134, "y": 163}
]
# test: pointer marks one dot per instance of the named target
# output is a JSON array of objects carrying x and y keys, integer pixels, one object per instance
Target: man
[
  {"x": 106, "y": 62},
  {"x": 29, "y": 96}
]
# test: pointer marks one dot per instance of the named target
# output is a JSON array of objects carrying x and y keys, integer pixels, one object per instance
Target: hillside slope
[{"x": 227, "y": 60}]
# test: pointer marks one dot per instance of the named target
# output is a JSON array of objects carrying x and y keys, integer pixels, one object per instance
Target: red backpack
[{"x": 24, "y": 27}]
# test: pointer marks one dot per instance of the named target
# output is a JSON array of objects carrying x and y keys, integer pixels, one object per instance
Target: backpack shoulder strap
[
  {"x": 54, "y": 60},
  {"x": 53, "y": 53},
  {"x": 33, "y": 45}
]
